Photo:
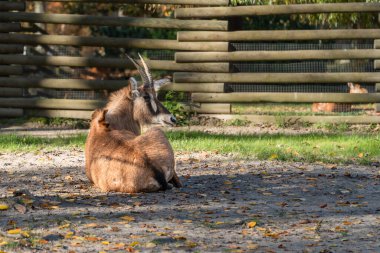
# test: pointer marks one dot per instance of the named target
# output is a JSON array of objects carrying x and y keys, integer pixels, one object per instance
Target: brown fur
[
  {"x": 119, "y": 160},
  {"x": 119, "y": 157},
  {"x": 338, "y": 107}
]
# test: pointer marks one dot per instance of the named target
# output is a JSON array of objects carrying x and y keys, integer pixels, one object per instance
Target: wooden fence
[{"x": 203, "y": 59}]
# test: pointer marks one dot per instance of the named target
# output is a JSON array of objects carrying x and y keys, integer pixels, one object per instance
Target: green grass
[{"x": 328, "y": 148}]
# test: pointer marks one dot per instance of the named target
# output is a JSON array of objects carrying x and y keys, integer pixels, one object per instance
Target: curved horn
[
  {"x": 147, "y": 71},
  {"x": 141, "y": 70}
]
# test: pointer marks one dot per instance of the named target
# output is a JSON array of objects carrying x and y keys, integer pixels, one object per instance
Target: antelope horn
[
  {"x": 141, "y": 70},
  {"x": 147, "y": 71}
]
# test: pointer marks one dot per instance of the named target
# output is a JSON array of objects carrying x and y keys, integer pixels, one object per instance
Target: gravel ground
[{"x": 226, "y": 205}]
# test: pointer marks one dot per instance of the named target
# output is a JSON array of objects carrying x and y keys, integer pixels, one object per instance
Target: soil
[{"x": 226, "y": 205}]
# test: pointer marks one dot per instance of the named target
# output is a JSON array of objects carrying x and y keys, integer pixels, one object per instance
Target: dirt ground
[{"x": 226, "y": 205}]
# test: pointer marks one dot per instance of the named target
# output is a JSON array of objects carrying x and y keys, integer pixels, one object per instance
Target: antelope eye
[{"x": 146, "y": 98}]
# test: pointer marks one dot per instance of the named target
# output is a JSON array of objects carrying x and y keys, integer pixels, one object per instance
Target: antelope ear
[
  {"x": 350, "y": 85},
  {"x": 153, "y": 103},
  {"x": 102, "y": 120},
  {"x": 135, "y": 92},
  {"x": 158, "y": 84}
]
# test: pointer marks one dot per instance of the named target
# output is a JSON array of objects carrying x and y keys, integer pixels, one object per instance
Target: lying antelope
[
  {"x": 118, "y": 156},
  {"x": 336, "y": 107}
]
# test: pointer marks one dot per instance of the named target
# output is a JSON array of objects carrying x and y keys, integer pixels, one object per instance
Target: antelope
[
  {"x": 334, "y": 107},
  {"x": 124, "y": 152}
]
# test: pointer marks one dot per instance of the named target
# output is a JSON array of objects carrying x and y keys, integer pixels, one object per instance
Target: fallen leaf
[
  {"x": 42, "y": 241},
  {"x": 133, "y": 244},
  {"x": 127, "y": 218},
  {"x": 4, "y": 207},
  {"x": 105, "y": 242},
  {"x": 20, "y": 208},
  {"x": 251, "y": 224},
  {"x": 92, "y": 238},
  {"x": 14, "y": 231},
  {"x": 150, "y": 245}
]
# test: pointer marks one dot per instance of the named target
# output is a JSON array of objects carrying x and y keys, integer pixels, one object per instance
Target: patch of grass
[
  {"x": 332, "y": 148},
  {"x": 12, "y": 143},
  {"x": 328, "y": 148}
]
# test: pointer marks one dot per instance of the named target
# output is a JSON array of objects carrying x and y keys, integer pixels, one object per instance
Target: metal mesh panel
[
  {"x": 306, "y": 66},
  {"x": 284, "y": 46},
  {"x": 288, "y": 87}
]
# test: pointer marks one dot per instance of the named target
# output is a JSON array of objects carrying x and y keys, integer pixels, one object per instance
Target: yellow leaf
[
  {"x": 25, "y": 234},
  {"x": 360, "y": 155},
  {"x": 219, "y": 222},
  {"x": 251, "y": 224},
  {"x": 14, "y": 231},
  {"x": 273, "y": 156},
  {"x": 3, "y": 207},
  {"x": 3, "y": 243},
  {"x": 64, "y": 226},
  {"x": 127, "y": 218},
  {"x": 133, "y": 244},
  {"x": 105, "y": 242},
  {"x": 69, "y": 235}
]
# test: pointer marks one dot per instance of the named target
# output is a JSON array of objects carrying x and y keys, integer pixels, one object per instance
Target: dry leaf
[
  {"x": 20, "y": 208},
  {"x": 127, "y": 218},
  {"x": 251, "y": 224},
  {"x": 14, "y": 231},
  {"x": 3, "y": 207}
]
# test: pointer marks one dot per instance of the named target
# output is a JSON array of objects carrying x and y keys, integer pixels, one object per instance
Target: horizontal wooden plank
[
  {"x": 239, "y": 56},
  {"x": 283, "y": 35},
  {"x": 260, "y": 119},
  {"x": 73, "y": 114},
  {"x": 284, "y": 97},
  {"x": 109, "y": 63},
  {"x": 208, "y": 108},
  {"x": 44, "y": 103},
  {"x": 53, "y": 83},
  {"x": 75, "y": 19},
  {"x": 11, "y": 112},
  {"x": 9, "y": 27},
  {"x": 175, "y": 2},
  {"x": 376, "y": 64},
  {"x": 99, "y": 41},
  {"x": 195, "y": 87},
  {"x": 256, "y": 10},
  {"x": 12, "y": 6},
  {"x": 11, "y": 49},
  {"x": 10, "y": 92},
  {"x": 377, "y": 44},
  {"x": 364, "y": 77},
  {"x": 10, "y": 70}
]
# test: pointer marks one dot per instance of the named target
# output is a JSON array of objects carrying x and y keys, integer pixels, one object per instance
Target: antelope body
[
  {"x": 119, "y": 157},
  {"x": 334, "y": 107}
]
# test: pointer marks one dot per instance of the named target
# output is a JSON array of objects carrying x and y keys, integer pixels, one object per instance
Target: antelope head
[{"x": 147, "y": 109}]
